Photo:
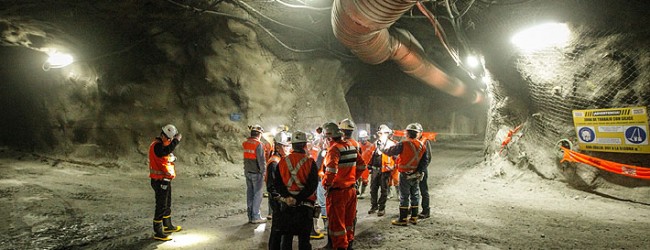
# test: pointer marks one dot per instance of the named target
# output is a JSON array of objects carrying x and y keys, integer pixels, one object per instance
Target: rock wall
[{"x": 209, "y": 75}]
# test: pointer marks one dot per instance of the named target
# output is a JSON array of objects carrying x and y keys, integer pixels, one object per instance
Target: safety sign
[{"x": 623, "y": 130}]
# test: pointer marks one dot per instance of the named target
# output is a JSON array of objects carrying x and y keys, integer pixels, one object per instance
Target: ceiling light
[
  {"x": 57, "y": 60},
  {"x": 542, "y": 36},
  {"x": 472, "y": 61}
]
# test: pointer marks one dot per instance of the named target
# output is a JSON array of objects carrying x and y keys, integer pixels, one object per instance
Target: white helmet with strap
[
  {"x": 332, "y": 130},
  {"x": 347, "y": 124},
  {"x": 170, "y": 131}
]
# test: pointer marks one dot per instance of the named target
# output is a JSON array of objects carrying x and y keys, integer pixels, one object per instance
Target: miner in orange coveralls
[{"x": 342, "y": 165}]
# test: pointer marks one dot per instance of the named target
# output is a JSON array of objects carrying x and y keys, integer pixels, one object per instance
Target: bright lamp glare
[
  {"x": 542, "y": 36},
  {"x": 472, "y": 61},
  {"x": 186, "y": 240},
  {"x": 486, "y": 79},
  {"x": 59, "y": 60}
]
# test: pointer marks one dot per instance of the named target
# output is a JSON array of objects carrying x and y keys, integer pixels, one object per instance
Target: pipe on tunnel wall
[{"x": 363, "y": 27}]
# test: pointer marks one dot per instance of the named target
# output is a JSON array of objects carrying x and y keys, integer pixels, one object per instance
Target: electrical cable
[
  {"x": 336, "y": 53},
  {"x": 495, "y": 2},
  {"x": 439, "y": 32},
  {"x": 303, "y": 6}
]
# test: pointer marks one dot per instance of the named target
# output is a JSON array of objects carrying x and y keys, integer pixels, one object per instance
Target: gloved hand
[
  {"x": 420, "y": 176},
  {"x": 290, "y": 201},
  {"x": 164, "y": 184},
  {"x": 178, "y": 137}
]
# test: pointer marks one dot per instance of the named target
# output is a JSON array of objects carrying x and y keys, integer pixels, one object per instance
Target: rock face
[
  {"x": 597, "y": 68},
  {"x": 207, "y": 74}
]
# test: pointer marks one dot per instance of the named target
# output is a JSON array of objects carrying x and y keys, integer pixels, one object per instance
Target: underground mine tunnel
[{"x": 533, "y": 114}]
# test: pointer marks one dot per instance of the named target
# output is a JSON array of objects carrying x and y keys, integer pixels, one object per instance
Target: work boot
[
  {"x": 167, "y": 225},
  {"x": 372, "y": 210},
  {"x": 403, "y": 212},
  {"x": 424, "y": 214},
  {"x": 414, "y": 215},
  {"x": 315, "y": 233},
  {"x": 158, "y": 231},
  {"x": 381, "y": 213}
]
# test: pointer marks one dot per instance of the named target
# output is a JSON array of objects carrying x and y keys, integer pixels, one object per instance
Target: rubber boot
[
  {"x": 158, "y": 231},
  {"x": 167, "y": 225},
  {"x": 316, "y": 234},
  {"x": 424, "y": 214},
  {"x": 403, "y": 212},
  {"x": 414, "y": 215}
]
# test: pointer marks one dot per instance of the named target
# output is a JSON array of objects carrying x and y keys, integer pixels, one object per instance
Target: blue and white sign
[
  {"x": 586, "y": 134},
  {"x": 235, "y": 117},
  {"x": 636, "y": 135}
]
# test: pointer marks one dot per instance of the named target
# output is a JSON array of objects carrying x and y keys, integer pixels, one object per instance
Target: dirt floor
[{"x": 60, "y": 205}]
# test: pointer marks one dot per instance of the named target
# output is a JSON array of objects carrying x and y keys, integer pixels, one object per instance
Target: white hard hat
[
  {"x": 414, "y": 127},
  {"x": 257, "y": 128},
  {"x": 363, "y": 134},
  {"x": 282, "y": 138},
  {"x": 384, "y": 129},
  {"x": 347, "y": 124},
  {"x": 332, "y": 130},
  {"x": 169, "y": 130},
  {"x": 298, "y": 137}
]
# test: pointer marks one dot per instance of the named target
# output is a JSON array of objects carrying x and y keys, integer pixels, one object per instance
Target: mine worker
[
  {"x": 254, "y": 169},
  {"x": 366, "y": 152},
  {"x": 342, "y": 164},
  {"x": 296, "y": 182},
  {"x": 381, "y": 168},
  {"x": 424, "y": 186},
  {"x": 162, "y": 171},
  {"x": 320, "y": 192},
  {"x": 282, "y": 148},
  {"x": 413, "y": 158}
]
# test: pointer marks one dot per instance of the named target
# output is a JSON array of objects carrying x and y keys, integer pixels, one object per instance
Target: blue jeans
[
  {"x": 424, "y": 190},
  {"x": 320, "y": 196},
  {"x": 409, "y": 190},
  {"x": 254, "y": 190}
]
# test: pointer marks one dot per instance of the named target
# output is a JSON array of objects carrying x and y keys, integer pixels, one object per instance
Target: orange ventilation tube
[{"x": 362, "y": 26}]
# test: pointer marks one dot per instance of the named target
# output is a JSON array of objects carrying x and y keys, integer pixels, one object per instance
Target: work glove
[
  {"x": 178, "y": 137},
  {"x": 420, "y": 176},
  {"x": 290, "y": 201},
  {"x": 165, "y": 184}
]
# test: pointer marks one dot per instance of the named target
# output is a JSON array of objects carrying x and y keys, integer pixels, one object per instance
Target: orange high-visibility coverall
[{"x": 343, "y": 164}]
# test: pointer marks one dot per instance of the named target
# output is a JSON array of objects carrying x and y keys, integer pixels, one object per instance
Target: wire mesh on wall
[{"x": 601, "y": 66}]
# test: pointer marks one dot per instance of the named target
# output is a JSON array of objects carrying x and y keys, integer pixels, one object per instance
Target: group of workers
[{"x": 310, "y": 176}]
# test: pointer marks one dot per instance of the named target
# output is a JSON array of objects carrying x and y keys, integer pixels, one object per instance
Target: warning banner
[{"x": 623, "y": 130}]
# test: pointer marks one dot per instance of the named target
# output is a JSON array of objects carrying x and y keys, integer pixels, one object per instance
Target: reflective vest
[
  {"x": 268, "y": 149},
  {"x": 341, "y": 174},
  {"x": 365, "y": 148},
  {"x": 274, "y": 158},
  {"x": 250, "y": 145},
  {"x": 412, "y": 152},
  {"x": 294, "y": 170},
  {"x": 387, "y": 162},
  {"x": 161, "y": 167}
]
